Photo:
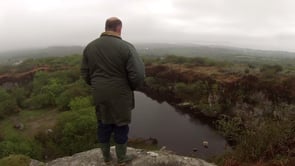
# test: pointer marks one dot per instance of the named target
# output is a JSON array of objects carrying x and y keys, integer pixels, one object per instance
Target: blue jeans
[{"x": 105, "y": 131}]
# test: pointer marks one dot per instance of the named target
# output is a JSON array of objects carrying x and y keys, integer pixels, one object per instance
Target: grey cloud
[{"x": 265, "y": 24}]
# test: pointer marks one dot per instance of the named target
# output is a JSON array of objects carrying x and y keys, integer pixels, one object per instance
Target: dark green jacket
[{"x": 113, "y": 69}]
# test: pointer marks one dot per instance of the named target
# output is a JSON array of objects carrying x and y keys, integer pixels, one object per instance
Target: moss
[
  {"x": 141, "y": 143},
  {"x": 15, "y": 160}
]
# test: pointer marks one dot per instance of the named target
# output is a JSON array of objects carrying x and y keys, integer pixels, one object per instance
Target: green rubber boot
[
  {"x": 105, "y": 149},
  {"x": 121, "y": 154}
]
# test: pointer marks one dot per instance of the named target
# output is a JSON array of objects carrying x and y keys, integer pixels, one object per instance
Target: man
[{"x": 113, "y": 69}]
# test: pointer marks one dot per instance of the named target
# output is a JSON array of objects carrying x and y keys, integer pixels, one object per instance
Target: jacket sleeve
[
  {"x": 135, "y": 69},
  {"x": 85, "y": 69}
]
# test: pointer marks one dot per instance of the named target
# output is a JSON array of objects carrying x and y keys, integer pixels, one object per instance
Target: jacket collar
[{"x": 111, "y": 33}]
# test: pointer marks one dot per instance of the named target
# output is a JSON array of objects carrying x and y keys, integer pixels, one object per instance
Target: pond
[{"x": 173, "y": 129}]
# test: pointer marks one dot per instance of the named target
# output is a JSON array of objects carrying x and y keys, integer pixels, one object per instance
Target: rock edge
[{"x": 143, "y": 158}]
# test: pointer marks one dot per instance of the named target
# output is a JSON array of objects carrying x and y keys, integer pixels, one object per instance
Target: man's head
[{"x": 113, "y": 24}]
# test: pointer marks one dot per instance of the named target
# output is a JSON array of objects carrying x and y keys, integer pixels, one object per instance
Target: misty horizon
[
  {"x": 262, "y": 25},
  {"x": 160, "y": 45}
]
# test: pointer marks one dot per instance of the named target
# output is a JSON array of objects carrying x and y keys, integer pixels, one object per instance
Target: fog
[{"x": 258, "y": 24}]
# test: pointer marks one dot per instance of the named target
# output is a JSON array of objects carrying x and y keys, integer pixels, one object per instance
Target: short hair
[{"x": 112, "y": 24}]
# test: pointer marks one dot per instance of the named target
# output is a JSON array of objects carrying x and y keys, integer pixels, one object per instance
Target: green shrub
[
  {"x": 39, "y": 101},
  {"x": 175, "y": 59},
  {"x": 20, "y": 95},
  {"x": 271, "y": 69},
  {"x": 77, "y": 89},
  {"x": 267, "y": 141},
  {"x": 8, "y": 103},
  {"x": 79, "y": 103},
  {"x": 40, "y": 79},
  {"x": 231, "y": 128},
  {"x": 157, "y": 84},
  {"x": 19, "y": 145},
  {"x": 45, "y": 91},
  {"x": 49, "y": 143},
  {"x": 195, "y": 92},
  {"x": 15, "y": 160},
  {"x": 247, "y": 71},
  {"x": 3, "y": 94},
  {"x": 78, "y": 131},
  {"x": 75, "y": 130}
]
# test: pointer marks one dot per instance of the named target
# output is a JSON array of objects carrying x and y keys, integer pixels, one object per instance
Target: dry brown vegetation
[{"x": 278, "y": 87}]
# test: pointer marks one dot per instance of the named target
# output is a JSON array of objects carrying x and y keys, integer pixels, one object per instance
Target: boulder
[
  {"x": 19, "y": 126},
  {"x": 143, "y": 158}
]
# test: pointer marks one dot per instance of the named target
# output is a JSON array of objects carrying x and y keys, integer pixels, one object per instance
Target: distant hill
[
  {"x": 13, "y": 56},
  {"x": 206, "y": 50},
  {"x": 222, "y": 53},
  {"x": 162, "y": 49}
]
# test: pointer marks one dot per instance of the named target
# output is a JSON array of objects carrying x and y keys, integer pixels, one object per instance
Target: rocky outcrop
[{"x": 142, "y": 158}]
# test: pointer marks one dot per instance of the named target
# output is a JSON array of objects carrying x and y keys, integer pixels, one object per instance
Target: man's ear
[{"x": 119, "y": 29}]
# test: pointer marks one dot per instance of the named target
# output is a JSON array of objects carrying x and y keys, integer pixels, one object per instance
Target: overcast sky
[{"x": 262, "y": 24}]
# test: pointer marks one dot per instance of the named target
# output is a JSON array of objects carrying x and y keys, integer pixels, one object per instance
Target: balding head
[{"x": 113, "y": 24}]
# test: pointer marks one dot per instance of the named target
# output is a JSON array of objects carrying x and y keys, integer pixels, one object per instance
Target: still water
[{"x": 173, "y": 129}]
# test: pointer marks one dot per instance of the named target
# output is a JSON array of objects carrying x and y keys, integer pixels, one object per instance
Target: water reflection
[{"x": 173, "y": 129}]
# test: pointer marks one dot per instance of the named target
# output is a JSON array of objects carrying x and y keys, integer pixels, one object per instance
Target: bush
[
  {"x": 78, "y": 130},
  {"x": 152, "y": 82},
  {"x": 194, "y": 92},
  {"x": 78, "y": 127},
  {"x": 20, "y": 95},
  {"x": 40, "y": 101},
  {"x": 231, "y": 128},
  {"x": 175, "y": 59},
  {"x": 56, "y": 89},
  {"x": 247, "y": 71},
  {"x": 19, "y": 145},
  {"x": 269, "y": 140},
  {"x": 3, "y": 94},
  {"x": 8, "y": 104},
  {"x": 15, "y": 160},
  {"x": 77, "y": 89},
  {"x": 79, "y": 103},
  {"x": 75, "y": 130},
  {"x": 271, "y": 69}
]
